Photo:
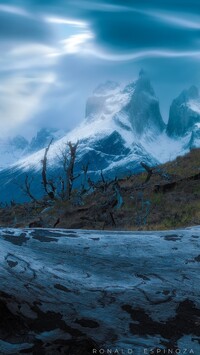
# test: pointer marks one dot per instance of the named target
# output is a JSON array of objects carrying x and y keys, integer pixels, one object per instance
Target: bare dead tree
[
  {"x": 84, "y": 181},
  {"x": 102, "y": 177},
  {"x": 49, "y": 186},
  {"x": 26, "y": 188},
  {"x": 101, "y": 185},
  {"x": 119, "y": 197},
  {"x": 67, "y": 158},
  {"x": 70, "y": 177},
  {"x": 148, "y": 170},
  {"x": 63, "y": 157},
  {"x": 62, "y": 188},
  {"x": 91, "y": 183},
  {"x": 112, "y": 219},
  {"x": 155, "y": 171},
  {"x": 56, "y": 223}
]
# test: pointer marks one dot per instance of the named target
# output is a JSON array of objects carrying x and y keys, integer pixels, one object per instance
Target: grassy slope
[{"x": 176, "y": 208}]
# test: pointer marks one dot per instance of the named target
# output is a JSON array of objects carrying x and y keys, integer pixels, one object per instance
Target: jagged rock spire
[
  {"x": 143, "y": 108},
  {"x": 184, "y": 112},
  {"x": 142, "y": 73}
]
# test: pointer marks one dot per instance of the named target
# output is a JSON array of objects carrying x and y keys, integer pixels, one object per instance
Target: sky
[{"x": 53, "y": 53}]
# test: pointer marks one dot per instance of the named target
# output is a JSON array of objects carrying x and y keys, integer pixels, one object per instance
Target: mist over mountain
[
  {"x": 12, "y": 149},
  {"x": 123, "y": 126},
  {"x": 17, "y": 147},
  {"x": 43, "y": 137}
]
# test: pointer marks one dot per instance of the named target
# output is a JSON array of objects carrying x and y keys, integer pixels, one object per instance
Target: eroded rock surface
[{"x": 69, "y": 292}]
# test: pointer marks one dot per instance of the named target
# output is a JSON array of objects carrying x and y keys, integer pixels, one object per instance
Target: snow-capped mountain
[
  {"x": 108, "y": 137},
  {"x": 195, "y": 137},
  {"x": 11, "y": 150},
  {"x": 97, "y": 105},
  {"x": 18, "y": 147},
  {"x": 43, "y": 137},
  {"x": 184, "y": 113},
  {"x": 184, "y": 118},
  {"x": 123, "y": 126}
]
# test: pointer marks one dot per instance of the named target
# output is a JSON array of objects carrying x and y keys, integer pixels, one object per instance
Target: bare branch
[
  {"x": 27, "y": 189},
  {"x": 70, "y": 169},
  {"x": 149, "y": 171},
  {"x": 45, "y": 182}
]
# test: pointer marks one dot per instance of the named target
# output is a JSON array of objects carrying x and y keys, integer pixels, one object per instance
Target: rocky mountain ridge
[{"x": 17, "y": 147}]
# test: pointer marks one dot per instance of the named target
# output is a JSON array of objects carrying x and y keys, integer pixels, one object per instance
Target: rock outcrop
[{"x": 64, "y": 291}]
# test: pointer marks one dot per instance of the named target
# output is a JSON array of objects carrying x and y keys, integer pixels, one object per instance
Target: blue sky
[{"x": 54, "y": 53}]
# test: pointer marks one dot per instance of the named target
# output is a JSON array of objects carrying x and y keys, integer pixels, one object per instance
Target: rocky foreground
[{"x": 79, "y": 292}]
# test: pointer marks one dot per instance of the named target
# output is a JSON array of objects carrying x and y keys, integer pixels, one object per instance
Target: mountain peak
[
  {"x": 104, "y": 102},
  {"x": 184, "y": 112},
  {"x": 193, "y": 92},
  {"x": 143, "y": 108},
  {"x": 142, "y": 73},
  {"x": 189, "y": 94},
  {"x": 143, "y": 83},
  {"x": 106, "y": 88}
]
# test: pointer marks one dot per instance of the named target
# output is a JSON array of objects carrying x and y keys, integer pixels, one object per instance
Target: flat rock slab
[{"x": 70, "y": 292}]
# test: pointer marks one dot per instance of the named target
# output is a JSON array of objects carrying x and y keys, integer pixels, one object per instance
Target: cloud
[
  {"x": 65, "y": 21},
  {"x": 128, "y": 32},
  {"x": 13, "y": 10},
  {"x": 135, "y": 28},
  {"x": 20, "y": 99},
  {"x": 84, "y": 42},
  {"x": 72, "y": 35},
  {"x": 30, "y": 49},
  {"x": 190, "y": 6},
  {"x": 137, "y": 32},
  {"x": 21, "y": 27}
]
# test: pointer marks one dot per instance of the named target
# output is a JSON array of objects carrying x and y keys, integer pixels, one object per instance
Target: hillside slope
[{"x": 170, "y": 199}]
